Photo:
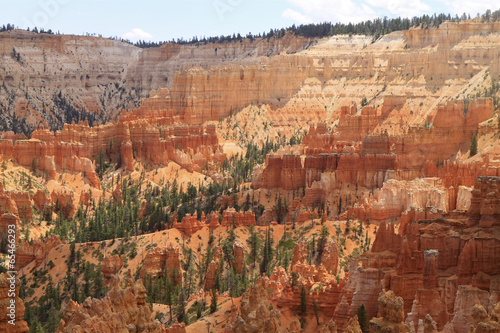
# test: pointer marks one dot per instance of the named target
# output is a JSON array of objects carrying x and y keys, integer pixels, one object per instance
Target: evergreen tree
[
  {"x": 98, "y": 287},
  {"x": 295, "y": 278},
  {"x": 303, "y": 306},
  {"x": 362, "y": 319},
  {"x": 52, "y": 321},
  {"x": 473, "y": 145},
  {"x": 168, "y": 294},
  {"x": 213, "y": 302},
  {"x": 316, "y": 311},
  {"x": 254, "y": 244},
  {"x": 181, "y": 307},
  {"x": 217, "y": 282},
  {"x": 322, "y": 241},
  {"x": 267, "y": 254},
  {"x": 72, "y": 253},
  {"x": 87, "y": 275}
]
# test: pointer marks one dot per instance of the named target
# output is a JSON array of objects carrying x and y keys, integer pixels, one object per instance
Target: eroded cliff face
[
  {"x": 210, "y": 81},
  {"x": 440, "y": 268},
  {"x": 391, "y": 315},
  {"x": 418, "y": 168},
  {"x": 256, "y": 315},
  {"x": 147, "y": 136},
  {"x": 160, "y": 261},
  {"x": 60, "y": 78},
  {"x": 121, "y": 310},
  {"x": 37, "y": 250}
]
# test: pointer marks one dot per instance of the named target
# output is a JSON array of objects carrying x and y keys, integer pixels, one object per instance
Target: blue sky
[{"x": 160, "y": 20}]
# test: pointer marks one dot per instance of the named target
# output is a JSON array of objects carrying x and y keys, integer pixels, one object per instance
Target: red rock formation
[
  {"x": 330, "y": 257},
  {"x": 126, "y": 155},
  {"x": 306, "y": 215},
  {"x": 354, "y": 127},
  {"x": 299, "y": 254},
  {"x": 122, "y": 310},
  {"x": 466, "y": 298},
  {"x": 368, "y": 287},
  {"x": 318, "y": 138},
  {"x": 214, "y": 221},
  {"x": 430, "y": 269},
  {"x": 395, "y": 198},
  {"x": 239, "y": 257},
  {"x": 147, "y": 135},
  {"x": 485, "y": 202},
  {"x": 142, "y": 209},
  {"x": 200, "y": 89},
  {"x": 256, "y": 315},
  {"x": 42, "y": 201},
  {"x": 111, "y": 265},
  {"x": 11, "y": 312},
  {"x": 190, "y": 224},
  {"x": 23, "y": 203},
  {"x": 212, "y": 269},
  {"x": 329, "y": 327},
  {"x": 64, "y": 201},
  {"x": 442, "y": 287},
  {"x": 430, "y": 300},
  {"x": 390, "y": 315},
  {"x": 161, "y": 259},
  {"x": 322, "y": 287},
  {"x": 231, "y": 217},
  {"x": 7, "y": 203},
  {"x": 38, "y": 250},
  {"x": 386, "y": 239},
  {"x": 483, "y": 322},
  {"x": 177, "y": 328},
  {"x": 353, "y": 326},
  {"x": 367, "y": 170},
  {"x": 7, "y": 220}
]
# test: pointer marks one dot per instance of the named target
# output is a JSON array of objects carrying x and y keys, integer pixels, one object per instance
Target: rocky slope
[
  {"x": 207, "y": 82},
  {"x": 122, "y": 310},
  {"x": 60, "y": 79}
]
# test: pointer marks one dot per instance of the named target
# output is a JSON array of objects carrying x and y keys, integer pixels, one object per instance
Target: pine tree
[
  {"x": 473, "y": 145},
  {"x": 303, "y": 306},
  {"x": 86, "y": 278},
  {"x": 217, "y": 282},
  {"x": 181, "y": 307},
  {"x": 52, "y": 320},
  {"x": 316, "y": 311},
  {"x": 322, "y": 241},
  {"x": 295, "y": 278},
  {"x": 72, "y": 253},
  {"x": 267, "y": 254},
  {"x": 213, "y": 302},
  {"x": 363, "y": 321},
  {"x": 254, "y": 244},
  {"x": 168, "y": 294},
  {"x": 75, "y": 296},
  {"x": 98, "y": 287}
]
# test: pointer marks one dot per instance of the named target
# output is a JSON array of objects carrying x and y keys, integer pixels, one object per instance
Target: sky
[{"x": 162, "y": 20}]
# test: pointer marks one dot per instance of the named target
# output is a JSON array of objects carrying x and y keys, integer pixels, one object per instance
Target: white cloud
[
  {"x": 327, "y": 10},
  {"x": 137, "y": 34},
  {"x": 403, "y": 8},
  {"x": 295, "y": 16},
  {"x": 472, "y": 7}
]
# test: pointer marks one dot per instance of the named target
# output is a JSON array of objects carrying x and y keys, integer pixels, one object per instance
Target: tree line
[{"x": 377, "y": 27}]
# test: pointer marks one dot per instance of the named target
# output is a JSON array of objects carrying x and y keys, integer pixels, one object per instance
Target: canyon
[{"x": 284, "y": 184}]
